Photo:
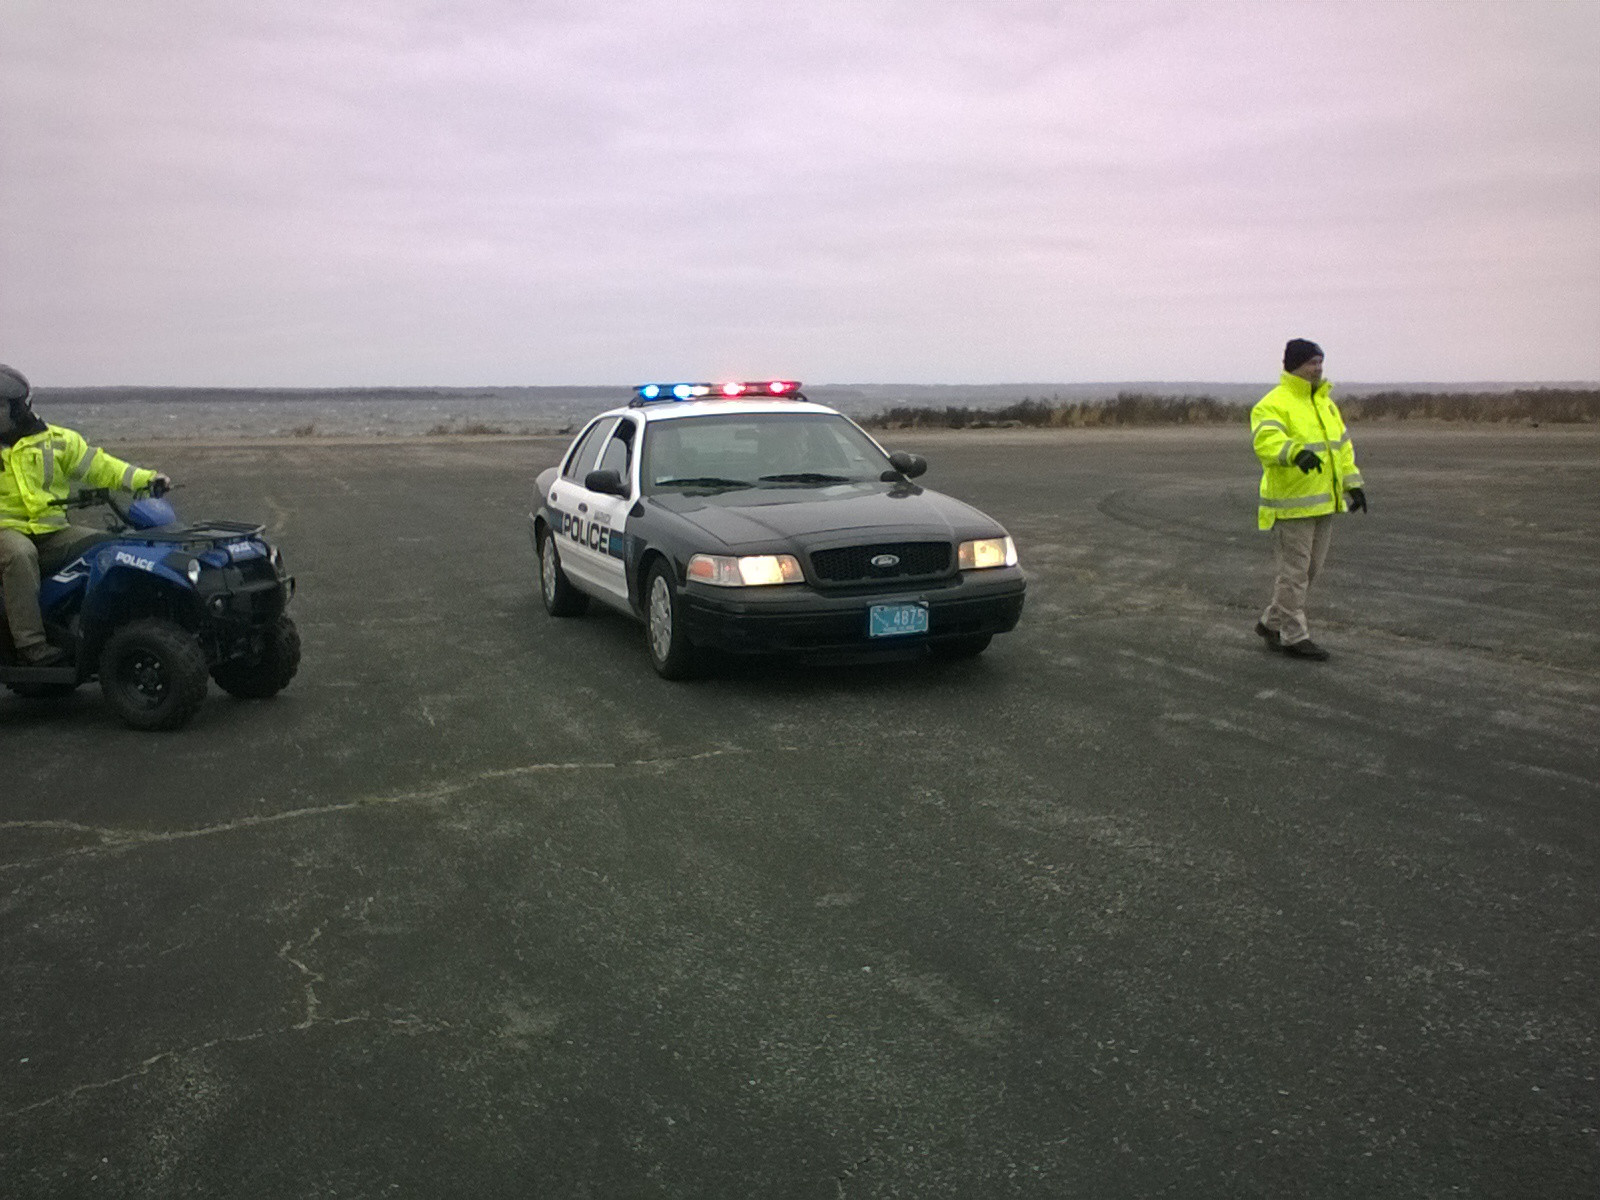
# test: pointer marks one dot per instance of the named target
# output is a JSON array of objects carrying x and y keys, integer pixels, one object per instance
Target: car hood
[{"x": 817, "y": 516}]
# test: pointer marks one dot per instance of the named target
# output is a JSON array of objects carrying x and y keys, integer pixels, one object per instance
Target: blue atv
[{"x": 155, "y": 607}]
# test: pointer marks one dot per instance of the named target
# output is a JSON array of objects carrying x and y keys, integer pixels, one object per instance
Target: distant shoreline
[
  {"x": 998, "y": 435},
  {"x": 393, "y": 415}
]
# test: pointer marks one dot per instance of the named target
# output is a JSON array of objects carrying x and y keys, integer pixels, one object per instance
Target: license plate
[{"x": 896, "y": 620}]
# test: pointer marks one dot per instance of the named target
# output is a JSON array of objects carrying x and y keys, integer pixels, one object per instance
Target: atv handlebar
[
  {"x": 86, "y": 498},
  {"x": 94, "y": 497}
]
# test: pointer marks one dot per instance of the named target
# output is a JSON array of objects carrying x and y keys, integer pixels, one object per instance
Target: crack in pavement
[
  {"x": 113, "y": 841},
  {"x": 313, "y": 1006},
  {"x": 312, "y": 978},
  {"x": 412, "y": 1024}
]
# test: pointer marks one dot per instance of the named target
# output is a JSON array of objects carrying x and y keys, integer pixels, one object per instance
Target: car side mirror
[
  {"x": 607, "y": 483},
  {"x": 909, "y": 465}
]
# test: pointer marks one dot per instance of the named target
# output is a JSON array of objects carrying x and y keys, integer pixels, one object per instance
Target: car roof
[{"x": 676, "y": 410}]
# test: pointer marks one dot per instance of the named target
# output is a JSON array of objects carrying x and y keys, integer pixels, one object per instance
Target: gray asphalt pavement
[{"x": 1127, "y": 907}]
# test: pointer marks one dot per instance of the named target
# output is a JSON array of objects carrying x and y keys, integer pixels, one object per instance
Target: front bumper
[
  {"x": 802, "y": 619},
  {"x": 235, "y": 617}
]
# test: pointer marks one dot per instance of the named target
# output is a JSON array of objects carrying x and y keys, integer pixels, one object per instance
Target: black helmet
[
  {"x": 14, "y": 392},
  {"x": 13, "y": 384}
]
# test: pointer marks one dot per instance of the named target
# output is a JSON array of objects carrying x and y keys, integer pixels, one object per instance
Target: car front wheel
[
  {"x": 561, "y": 599},
  {"x": 671, "y": 653}
]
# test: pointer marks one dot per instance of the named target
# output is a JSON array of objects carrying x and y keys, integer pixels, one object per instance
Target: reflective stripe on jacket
[
  {"x": 43, "y": 467},
  {"x": 1291, "y": 418}
]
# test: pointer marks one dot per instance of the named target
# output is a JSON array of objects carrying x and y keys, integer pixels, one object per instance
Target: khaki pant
[
  {"x": 19, "y": 575},
  {"x": 1302, "y": 545}
]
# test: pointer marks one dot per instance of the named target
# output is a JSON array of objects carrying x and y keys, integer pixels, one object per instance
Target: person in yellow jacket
[
  {"x": 38, "y": 465},
  {"x": 1308, "y": 473}
]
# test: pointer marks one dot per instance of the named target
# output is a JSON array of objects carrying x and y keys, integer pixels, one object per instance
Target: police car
[{"x": 743, "y": 517}]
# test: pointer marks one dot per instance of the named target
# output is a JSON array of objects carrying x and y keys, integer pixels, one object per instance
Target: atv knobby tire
[
  {"x": 153, "y": 674},
  {"x": 268, "y": 675}
]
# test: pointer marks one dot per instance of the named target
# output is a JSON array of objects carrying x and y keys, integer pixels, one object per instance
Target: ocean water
[
  {"x": 144, "y": 413},
  {"x": 157, "y": 417}
]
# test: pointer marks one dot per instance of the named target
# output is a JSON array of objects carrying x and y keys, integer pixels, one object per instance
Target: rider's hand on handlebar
[{"x": 160, "y": 486}]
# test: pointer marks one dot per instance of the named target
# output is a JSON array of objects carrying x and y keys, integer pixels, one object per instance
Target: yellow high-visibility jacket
[
  {"x": 1291, "y": 418},
  {"x": 42, "y": 467}
]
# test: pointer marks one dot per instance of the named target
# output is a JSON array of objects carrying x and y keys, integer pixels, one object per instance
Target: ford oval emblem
[{"x": 884, "y": 561}]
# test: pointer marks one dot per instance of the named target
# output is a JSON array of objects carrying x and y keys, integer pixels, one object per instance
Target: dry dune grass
[{"x": 1527, "y": 406}]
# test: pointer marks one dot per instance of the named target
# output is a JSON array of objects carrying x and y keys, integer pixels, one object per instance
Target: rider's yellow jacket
[
  {"x": 37, "y": 472},
  {"x": 1290, "y": 418}
]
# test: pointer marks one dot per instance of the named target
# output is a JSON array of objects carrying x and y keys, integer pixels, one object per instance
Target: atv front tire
[
  {"x": 269, "y": 674},
  {"x": 153, "y": 674}
]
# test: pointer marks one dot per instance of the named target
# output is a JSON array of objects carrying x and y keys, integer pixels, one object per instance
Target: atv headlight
[
  {"x": 986, "y": 552},
  {"x": 193, "y": 571},
  {"x": 750, "y": 570}
]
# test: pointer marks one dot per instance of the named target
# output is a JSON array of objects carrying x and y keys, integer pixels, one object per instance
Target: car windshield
[{"x": 757, "y": 450}]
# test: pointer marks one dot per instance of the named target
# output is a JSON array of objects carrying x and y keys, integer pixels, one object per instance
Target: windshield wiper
[
  {"x": 704, "y": 481},
  {"x": 806, "y": 477}
]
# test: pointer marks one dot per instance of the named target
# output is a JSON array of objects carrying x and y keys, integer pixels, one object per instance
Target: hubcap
[
  {"x": 660, "y": 619},
  {"x": 547, "y": 569},
  {"x": 146, "y": 679}
]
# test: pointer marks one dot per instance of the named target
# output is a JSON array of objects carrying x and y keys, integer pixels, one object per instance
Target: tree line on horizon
[{"x": 1524, "y": 406}]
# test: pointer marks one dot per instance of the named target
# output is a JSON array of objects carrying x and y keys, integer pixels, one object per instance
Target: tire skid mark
[
  {"x": 280, "y": 516},
  {"x": 1118, "y": 506}
]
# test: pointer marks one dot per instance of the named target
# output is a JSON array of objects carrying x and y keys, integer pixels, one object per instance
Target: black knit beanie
[{"x": 1299, "y": 352}]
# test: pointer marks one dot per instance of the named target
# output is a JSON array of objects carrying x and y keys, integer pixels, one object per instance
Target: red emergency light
[{"x": 652, "y": 393}]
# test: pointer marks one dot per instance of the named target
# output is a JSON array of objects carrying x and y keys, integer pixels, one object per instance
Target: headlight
[
  {"x": 986, "y": 552},
  {"x": 193, "y": 571},
  {"x": 751, "y": 570}
]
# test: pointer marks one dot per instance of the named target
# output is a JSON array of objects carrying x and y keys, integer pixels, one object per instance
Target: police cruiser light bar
[{"x": 656, "y": 393}]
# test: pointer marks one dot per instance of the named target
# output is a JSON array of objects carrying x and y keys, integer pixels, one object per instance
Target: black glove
[
  {"x": 1308, "y": 462},
  {"x": 1357, "y": 500}
]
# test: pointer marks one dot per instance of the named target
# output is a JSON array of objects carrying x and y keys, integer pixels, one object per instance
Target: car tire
[
  {"x": 560, "y": 598},
  {"x": 967, "y": 646},
  {"x": 153, "y": 674},
  {"x": 268, "y": 675},
  {"x": 672, "y": 654}
]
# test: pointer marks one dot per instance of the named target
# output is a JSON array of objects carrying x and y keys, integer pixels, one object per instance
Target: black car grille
[{"x": 853, "y": 564}]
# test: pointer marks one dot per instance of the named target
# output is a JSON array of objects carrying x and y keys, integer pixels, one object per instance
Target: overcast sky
[{"x": 349, "y": 192}]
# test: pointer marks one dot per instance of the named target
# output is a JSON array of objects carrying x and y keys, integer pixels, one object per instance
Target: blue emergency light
[{"x": 656, "y": 393}]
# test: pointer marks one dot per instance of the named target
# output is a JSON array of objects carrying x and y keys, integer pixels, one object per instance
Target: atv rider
[{"x": 38, "y": 463}]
